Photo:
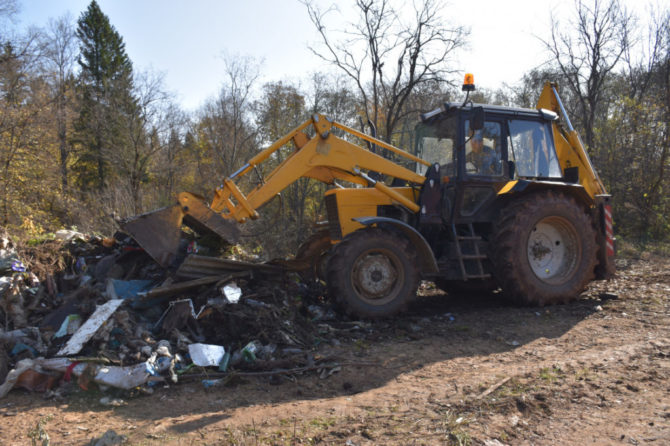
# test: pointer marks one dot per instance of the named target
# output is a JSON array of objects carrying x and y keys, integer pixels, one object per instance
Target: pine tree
[{"x": 105, "y": 84}]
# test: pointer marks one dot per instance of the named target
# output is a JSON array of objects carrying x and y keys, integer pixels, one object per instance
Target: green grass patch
[
  {"x": 551, "y": 374},
  {"x": 323, "y": 422}
]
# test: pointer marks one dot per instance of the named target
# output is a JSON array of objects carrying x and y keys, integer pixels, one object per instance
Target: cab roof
[{"x": 516, "y": 112}]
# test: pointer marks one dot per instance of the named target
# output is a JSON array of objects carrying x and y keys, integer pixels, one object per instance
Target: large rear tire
[
  {"x": 544, "y": 249},
  {"x": 373, "y": 273}
]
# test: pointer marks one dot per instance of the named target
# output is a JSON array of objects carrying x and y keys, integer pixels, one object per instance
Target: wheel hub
[
  {"x": 552, "y": 249},
  {"x": 374, "y": 275},
  {"x": 539, "y": 249}
]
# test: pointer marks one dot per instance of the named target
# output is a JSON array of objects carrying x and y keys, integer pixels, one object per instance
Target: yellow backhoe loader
[{"x": 494, "y": 197}]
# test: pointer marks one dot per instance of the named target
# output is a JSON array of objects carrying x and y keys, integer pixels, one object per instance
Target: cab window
[
  {"x": 436, "y": 144},
  {"x": 483, "y": 149},
  {"x": 533, "y": 149}
]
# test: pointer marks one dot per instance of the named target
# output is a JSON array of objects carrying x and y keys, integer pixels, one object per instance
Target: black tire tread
[
  {"x": 340, "y": 263},
  {"x": 519, "y": 283}
]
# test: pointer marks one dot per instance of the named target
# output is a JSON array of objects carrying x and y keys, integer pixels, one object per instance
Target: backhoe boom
[{"x": 324, "y": 157}]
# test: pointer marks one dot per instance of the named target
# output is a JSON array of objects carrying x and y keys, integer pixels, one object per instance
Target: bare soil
[{"x": 452, "y": 370}]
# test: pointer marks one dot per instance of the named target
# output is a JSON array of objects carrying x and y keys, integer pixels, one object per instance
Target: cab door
[{"x": 483, "y": 169}]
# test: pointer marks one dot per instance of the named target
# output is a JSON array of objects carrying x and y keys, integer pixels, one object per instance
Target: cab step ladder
[{"x": 469, "y": 243}]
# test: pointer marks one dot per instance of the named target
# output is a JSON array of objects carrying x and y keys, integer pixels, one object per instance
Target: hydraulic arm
[
  {"x": 323, "y": 156},
  {"x": 569, "y": 147}
]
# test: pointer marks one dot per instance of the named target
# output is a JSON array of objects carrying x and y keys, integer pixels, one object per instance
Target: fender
[
  {"x": 573, "y": 189},
  {"x": 427, "y": 260}
]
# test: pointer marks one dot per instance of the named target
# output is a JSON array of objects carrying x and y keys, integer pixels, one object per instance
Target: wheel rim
[
  {"x": 553, "y": 250},
  {"x": 377, "y": 276}
]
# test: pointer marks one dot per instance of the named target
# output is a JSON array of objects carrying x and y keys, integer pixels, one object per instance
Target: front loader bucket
[{"x": 159, "y": 231}]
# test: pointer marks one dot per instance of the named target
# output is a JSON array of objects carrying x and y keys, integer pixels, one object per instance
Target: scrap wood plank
[{"x": 175, "y": 288}]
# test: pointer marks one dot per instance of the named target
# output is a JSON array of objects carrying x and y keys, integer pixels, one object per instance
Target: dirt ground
[{"x": 453, "y": 370}]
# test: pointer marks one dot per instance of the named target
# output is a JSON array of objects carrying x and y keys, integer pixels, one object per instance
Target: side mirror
[{"x": 478, "y": 118}]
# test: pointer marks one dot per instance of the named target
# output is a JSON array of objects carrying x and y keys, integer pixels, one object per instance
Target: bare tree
[
  {"x": 333, "y": 96},
  {"x": 172, "y": 161},
  {"x": 8, "y": 10},
  {"x": 60, "y": 55},
  {"x": 632, "y": 132},
  {"x": 225, "y": 125},
  {"x": 643, "y": 58},
  {"x": 661, "y": 72},
  {"x": 387, "y": 57},
  {"x": 587, "y": 57},
  {"x": 144, "y": 129}
]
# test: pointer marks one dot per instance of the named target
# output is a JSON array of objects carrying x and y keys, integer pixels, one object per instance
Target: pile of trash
[{"x": 87, "y": 309}]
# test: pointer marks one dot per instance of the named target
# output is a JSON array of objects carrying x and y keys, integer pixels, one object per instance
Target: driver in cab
[{"x": 482, "y": 159}]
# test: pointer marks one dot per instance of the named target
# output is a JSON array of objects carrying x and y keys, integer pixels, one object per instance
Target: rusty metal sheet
[
  {"x": 158, "y": 232},
  {"x": 196, "y": 266}
]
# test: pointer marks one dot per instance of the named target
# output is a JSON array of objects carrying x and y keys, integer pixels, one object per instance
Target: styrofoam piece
[
  {"x": 232, "y": 292},
  {"x": 206, "y": 355}
]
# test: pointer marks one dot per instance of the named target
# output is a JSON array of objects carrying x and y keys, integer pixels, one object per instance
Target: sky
[{"x": 186, "y": 40}]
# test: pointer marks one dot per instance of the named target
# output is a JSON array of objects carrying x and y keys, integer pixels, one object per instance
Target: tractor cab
[
  {"x": 480, "y": 149},
  {"x": 480, "y": 155}
]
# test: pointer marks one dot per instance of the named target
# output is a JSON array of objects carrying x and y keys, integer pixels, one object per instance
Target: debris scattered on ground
[
  {"x": 100, "y": 311},
  {"x": 493, "y": 388},
  {"x": 578, "y": 373}
]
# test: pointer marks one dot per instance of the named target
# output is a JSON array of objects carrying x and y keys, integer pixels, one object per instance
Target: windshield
[
  {"x": 436, "y": 143},
  {"x": 533, "y": 149}
]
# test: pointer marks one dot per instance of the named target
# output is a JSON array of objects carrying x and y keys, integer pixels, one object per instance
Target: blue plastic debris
[
  {"x": 130, "y": 290},
  {"x": 20, "y": 347},
  {"x": 207, "y": 383},
  {"x": 127, "y": 289},
  {"x": 80, "y": 266},
  {"x": 18, "y": 266}
]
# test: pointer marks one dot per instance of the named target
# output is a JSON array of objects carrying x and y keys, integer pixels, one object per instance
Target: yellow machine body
[
  {"x": 327, "y": 157},
  {"x": 323, "y": 156}
]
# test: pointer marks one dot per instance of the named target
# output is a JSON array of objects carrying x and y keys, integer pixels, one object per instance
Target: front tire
[
  {"x": 315, "y": 251},
  {"x": 373, "y": 273},
  {"x": 544, "y": 249}
]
